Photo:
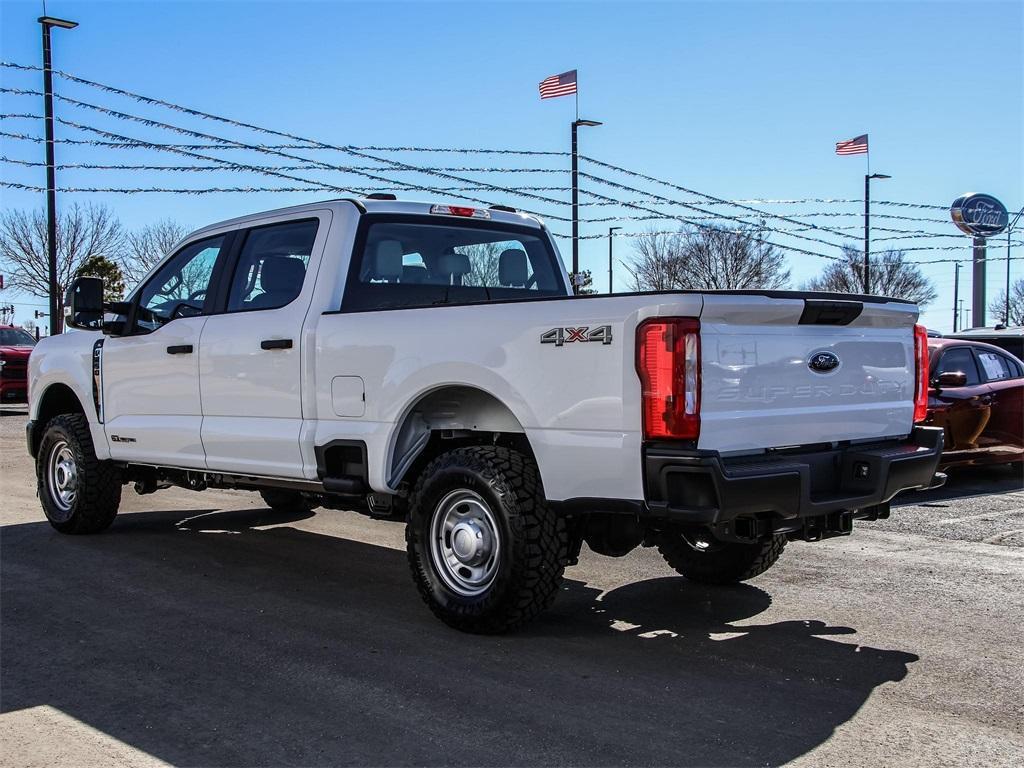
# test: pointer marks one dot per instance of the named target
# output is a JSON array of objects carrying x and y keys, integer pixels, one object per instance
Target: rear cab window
[{"x": 405, "y": 261}]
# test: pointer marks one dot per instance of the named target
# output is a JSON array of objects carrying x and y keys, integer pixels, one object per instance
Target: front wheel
[
  {"x": 486, "y": 551},
  {"x": 79, "y": 493},
  {"x": 701, "y": 558}
]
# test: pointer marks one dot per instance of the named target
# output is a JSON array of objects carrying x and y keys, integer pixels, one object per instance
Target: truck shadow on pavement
[
  {"x": 202, "y": 640},
  {"x": 967, "y": 482}
]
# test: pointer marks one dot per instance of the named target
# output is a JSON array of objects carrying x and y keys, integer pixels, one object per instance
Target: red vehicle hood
[{"x": 15, "y": 353}]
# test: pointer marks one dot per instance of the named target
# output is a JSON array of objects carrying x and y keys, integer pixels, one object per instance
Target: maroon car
[
  {"x": 15, "y": 347},
  {"x": 977, "y": 397}
]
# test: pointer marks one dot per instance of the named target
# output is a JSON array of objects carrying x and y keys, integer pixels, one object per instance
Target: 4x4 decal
[{"x": 561, "y": 336}]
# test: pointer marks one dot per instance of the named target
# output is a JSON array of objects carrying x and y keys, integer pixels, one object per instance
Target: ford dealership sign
[{"x": 979, "y": 215}]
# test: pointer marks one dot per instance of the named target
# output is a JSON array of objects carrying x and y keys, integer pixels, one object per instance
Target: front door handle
[
  {"x": 276, "y": 344},
  {"x": 180, "y": 349}
]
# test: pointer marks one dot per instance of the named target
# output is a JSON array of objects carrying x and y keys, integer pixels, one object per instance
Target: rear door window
[
  {"x": 272, "y": 266},
  {"x": 997, "y": 367},
  {"x": 418, "y": 262}
]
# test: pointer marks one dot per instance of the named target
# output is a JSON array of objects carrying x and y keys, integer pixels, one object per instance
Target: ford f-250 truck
[{"x": 430, "y": 361}]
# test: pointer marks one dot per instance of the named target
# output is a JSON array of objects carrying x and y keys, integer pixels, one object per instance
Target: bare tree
[
  {"x": 727, "y": 259},
  {"x": 998, "y": 307},
  {"x": 82, "y": 232},
  {"x": 707, "y": 258},
  {"x": 891, "y": 275},
  {"x": 656, "y": 264},
  {"x": 148, "y": 246}
]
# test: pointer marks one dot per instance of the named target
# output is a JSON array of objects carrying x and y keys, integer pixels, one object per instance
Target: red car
[
  {"x": 15, "y": 347},
  {"x": 977, "y": 397}
]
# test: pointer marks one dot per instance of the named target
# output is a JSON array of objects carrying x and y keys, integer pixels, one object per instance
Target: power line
[
  {"x": 306, "y": 167},
  {"x": 396, "y": 165},
  {"x": 197, "y": 113},
  {"x": 719, "y": 200},
  {"x": 328, "y": 166},
  {"x": 211, "y": 190},
  {"x": 669, "y": 201},
  {"x": 393, "y": 163},
  {"x": 228, "y": 164}
]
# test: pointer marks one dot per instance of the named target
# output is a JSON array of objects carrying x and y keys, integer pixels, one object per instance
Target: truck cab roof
[{"x": 501, "y": 214}]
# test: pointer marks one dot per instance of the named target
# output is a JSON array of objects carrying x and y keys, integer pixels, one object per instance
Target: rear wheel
[
  {"x": 704, "y": 559},
  {"x": 78, "y": 492},
  {"x": 486, "y": 551},
  {"x": 281, "y": 500}
]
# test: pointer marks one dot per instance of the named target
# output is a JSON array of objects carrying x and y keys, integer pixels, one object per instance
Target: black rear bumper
[{"x": 812, "y": 493}]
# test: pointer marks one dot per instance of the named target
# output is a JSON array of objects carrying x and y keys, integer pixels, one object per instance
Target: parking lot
[{"x": 203, "y": 629}]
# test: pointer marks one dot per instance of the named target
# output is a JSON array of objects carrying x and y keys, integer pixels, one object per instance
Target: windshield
[
  {"x": 406, "y": 261},
  {"x": 16, "y": 337}
]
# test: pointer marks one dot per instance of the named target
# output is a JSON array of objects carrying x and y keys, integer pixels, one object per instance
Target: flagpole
[
  {"x": 575, "y": 192},
  {"x": 577, "y": 95},
  {"x": 867, "y": 219}
]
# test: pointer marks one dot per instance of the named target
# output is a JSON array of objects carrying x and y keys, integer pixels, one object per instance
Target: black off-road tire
[
  {"x": 720, "y": 562},
  {"x": 281, "y": 500},
  {"x": 533, "y": 539},
  {"x": 98, "y": 485}
]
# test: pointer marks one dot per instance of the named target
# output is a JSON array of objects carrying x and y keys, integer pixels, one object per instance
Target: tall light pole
[
  {"x": 576, "y": 201},
  {"x": 611, "y": 239},
  {"x": 867, "y": 226},
  {"x": 956, "y": 294},
  {"x": 1009, "y": 229},
  {"x": 47, "y": 22}
]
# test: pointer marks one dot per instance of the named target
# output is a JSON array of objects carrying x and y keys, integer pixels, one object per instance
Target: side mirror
[
  {"x": 83, "y": 306},
  {"x": 951, "y": 379}
]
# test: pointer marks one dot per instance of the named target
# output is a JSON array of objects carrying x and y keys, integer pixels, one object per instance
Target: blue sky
[{"x": 738, "y": 100}]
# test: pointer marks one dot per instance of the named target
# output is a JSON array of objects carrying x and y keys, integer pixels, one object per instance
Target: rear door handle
[
  {"x": 276, "y": 344},
  {"x": 180, "y": 349}
]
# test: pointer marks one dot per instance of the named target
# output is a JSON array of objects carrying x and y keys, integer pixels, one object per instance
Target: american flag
[
  {"x": 857, "y": 146},
  {"x": 558, "y": 85}
]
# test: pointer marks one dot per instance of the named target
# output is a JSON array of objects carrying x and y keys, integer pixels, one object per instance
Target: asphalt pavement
[{"x": 204, "y": 629}]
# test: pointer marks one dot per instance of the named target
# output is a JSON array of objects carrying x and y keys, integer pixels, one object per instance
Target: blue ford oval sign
[
  {"x": 979, "y": 215},
  {"x": 823, "y": 362}
]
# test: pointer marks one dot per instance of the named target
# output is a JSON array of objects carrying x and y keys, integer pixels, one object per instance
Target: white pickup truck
[{"x": 430, "y": 361}]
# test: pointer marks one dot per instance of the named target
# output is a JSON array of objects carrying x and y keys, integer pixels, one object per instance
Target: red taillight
[
  {"x": 668, "y": 362},
  {"x": 921, "y": 373}
]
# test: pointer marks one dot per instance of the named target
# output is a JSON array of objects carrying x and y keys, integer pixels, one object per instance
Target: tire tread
[
  {"x": 543, "y": 537},
  {"x": 99, "y": 482},
  {"x": 728, "y": 565}
]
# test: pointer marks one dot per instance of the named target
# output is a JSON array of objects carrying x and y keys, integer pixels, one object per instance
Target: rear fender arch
[{"x": 452, "y": 408}]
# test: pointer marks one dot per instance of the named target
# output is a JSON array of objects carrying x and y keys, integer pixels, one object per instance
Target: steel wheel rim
[
  {"x": 701, "y": 543},
  {"x": 62, "y": 476},
  {"x": 465, "y": 543}
]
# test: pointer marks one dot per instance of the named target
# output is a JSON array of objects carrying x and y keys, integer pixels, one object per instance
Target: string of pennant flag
[{"x": 298, "y": 164}]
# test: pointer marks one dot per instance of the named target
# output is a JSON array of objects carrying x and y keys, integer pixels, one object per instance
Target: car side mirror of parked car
[
  {"x": 951, "y": 379},
  {"x": 83, "y": 307}
]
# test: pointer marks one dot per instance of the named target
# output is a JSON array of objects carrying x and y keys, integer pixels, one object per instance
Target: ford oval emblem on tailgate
[{"x": 823, "y": 362}]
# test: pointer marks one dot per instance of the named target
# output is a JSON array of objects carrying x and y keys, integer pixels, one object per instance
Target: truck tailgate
[{"x": 765, "y": 384}]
